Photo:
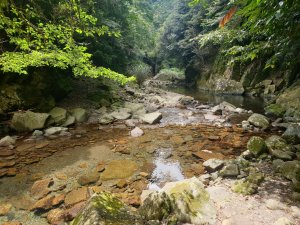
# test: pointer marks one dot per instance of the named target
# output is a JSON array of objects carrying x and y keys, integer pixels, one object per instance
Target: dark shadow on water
[{"x": 256, "y": 104}]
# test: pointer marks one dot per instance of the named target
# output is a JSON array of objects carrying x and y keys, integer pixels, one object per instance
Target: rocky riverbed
[{"x": 137, "y": 147}]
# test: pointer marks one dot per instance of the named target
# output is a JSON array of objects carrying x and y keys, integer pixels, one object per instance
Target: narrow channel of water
[{"x": 256, "y": 104}]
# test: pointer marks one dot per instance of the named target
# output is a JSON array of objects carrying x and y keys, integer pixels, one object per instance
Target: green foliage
[
  {"x": 37, "y": 39},
  {"x": 141, "y": 71}
]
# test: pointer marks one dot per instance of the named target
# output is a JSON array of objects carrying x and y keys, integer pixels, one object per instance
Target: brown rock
[
  {"x": 72, "y": 212},
  {"x": 23, "y": 202},
  {"x": 214, "y": 138},
  {"x": 42, "y": 145},
  {"x": 206, "y": 155},
  {"x": 100, "y": 167},
  {"x": 56, "y": 216},
  {"x": 5, "y": 209},
  {"x": 58, "y": 199},
  {"x": 40, "y": 188},
  {"x": 178, "y": 140},
  {"x": 12, "y": 223},
  {"x": 61, "y": 176},
  {"x": 97, "y": 189},
  {"x": 76, "y": 196},
  {"x": 119, "y": 169},
  {"x": 6, "y": 152},
  {"x": 198, "y": 168},
  {"x": 143, "y": 174},
  {"x": 11, "y": 172},
  {"x": 44, "y": 203},
  {"x": 88, "y": 178},
  {"x": 7, "y": 164},
  {"x": 83, "y": 165},
  {"x": 121, "y": 183}
]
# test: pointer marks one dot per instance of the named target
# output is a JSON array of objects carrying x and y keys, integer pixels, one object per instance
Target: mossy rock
[
  {"x": 244, "y": 187},
  {"x": 105, "y": 209},
  {"x": 275, "y": 110},
  {"x": 256, "y": 145},
  {"x": 278, "y": 148}
]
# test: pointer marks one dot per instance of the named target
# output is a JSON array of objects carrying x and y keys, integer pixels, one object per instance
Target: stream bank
[{"x": 55, "y": 175}]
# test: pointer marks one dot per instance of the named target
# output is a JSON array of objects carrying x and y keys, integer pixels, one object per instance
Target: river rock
[
  {"x": 151, "y": 118},
  {"x": 29, "y": 121},
  {"x": 230, "y": 170},
  {"x": 5, "y": 208},
  {"x": 227, "y": 106},
  {"x": 256, "y": 145},
  {"x": 40, "y": 188},
  {"x": 37, "y": 133},
  {"x": 278, "y": 147},
  {"x": 104, "y": 208},
  {"x": 244, "y": 187},
  {"x": 106, "y": 119},
  {"x": 54, "y": 130},
  {"x": 56, "y": 216},
  {"x": 121, "y": 115},
  {"x": 135, "y": 108},
  {"x": 136, "y": 132},
  {"x": 76, "y": 196},
  {"x": 212, "y": 165},
  {"x": 69, "y": 121},
  {"x": 284, "y": 221},
  {"x": 44, "y": 203},
  {"x": 58, "y": 115},
  {"x": 275, "y": 110},
  {"x": 7, "y": 141},
  {"x": 184, "y": 202},
  {"x": 292, "y": 134},
  {"x": 290, "y": 170},
  {"x": 88, "y": 178},
  {"x": 119, "y": 169},
  {"x": 79, "y": 114},
  {"x": 185, "y": 100},
  {"x": 259, "y": 120}
]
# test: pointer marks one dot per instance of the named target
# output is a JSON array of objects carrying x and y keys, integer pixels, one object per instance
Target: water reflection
[{"x": 256, "y": 104}]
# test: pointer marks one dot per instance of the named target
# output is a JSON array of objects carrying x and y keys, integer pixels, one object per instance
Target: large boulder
[
  {"x": 256, "y": 145},
  {"x": 79, "y": 114},
  {"x": 29, "y": 121},
  {"x": 151, "y": 118},
  {"x": 180, "y": 202},
  {"x": 278, "y": 147},
  {"x": 225, "y": 86},
  {"x": 259, "y": 120},
  {"x": 58, "y": 115},
  {"x": 292, "y": 133},
  {"x": 104, "y": 208}
]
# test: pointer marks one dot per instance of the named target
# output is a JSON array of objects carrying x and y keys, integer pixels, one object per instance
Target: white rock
[
  {"x": 295, "y": 211},
  {"x": 213, "y": 164},
  {"x": 136, "y": 132},
  {"x": 284, "y": 221},
  {"x": 274, "y": 204},
  {"x": 54, "y": 130},
  {"x": 7, "y": 141},
  {"x": 37, "y": 133},
  {"x": 151, "y": 118},
  {"x": 239, "y": 110}
]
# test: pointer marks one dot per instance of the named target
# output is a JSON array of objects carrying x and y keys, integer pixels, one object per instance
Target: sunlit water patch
[{"x": 166, "y": 169}]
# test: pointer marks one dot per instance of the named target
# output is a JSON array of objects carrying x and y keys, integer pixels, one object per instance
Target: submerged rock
[
  {"x": 180, "y": 202},
  {"x": 29, "y": 121},
  {"x": 259, "y": 120},
  {"x": 278, "y": 147},
  {"x": 105, "y": 209},
  {"x": 119, "y": 169},
  {"x": 256, "y": 145}
]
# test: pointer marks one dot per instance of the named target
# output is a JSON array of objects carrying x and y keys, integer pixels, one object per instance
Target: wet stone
[
  {"x": 119, "y": 169},
  {"x": 56, "y": 216},
  {"x": 88, "y": 178},
  {"x": 76, "y": 196},
  {"x": 40, "y": 188},
  {"x": 44, "y": 203}
]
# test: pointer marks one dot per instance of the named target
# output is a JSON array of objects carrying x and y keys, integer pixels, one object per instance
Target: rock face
[
  {"x": 29, "y": 121},
  {"x": 103, "y": 209},
  {"x": 256, "y": 145},
  {"x": 259, "y": 120},
  {"x": 278, "y": 147},
  {"x": 180, "y": 202},
  {"x": 225, "y": 86},
  {"x": 292, "y": 133},
  {"x": 119, "y": 169},
  {"x": 152, "y": 118}
]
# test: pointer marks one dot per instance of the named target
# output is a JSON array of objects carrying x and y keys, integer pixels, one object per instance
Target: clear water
[{"x": 256, "y": 104}]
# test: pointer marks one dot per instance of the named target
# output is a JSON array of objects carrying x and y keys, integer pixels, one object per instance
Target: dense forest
[{"x": 149, "y": 112}]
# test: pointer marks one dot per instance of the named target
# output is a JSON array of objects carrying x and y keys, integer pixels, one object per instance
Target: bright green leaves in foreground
[{"x": 37, "y": 36}]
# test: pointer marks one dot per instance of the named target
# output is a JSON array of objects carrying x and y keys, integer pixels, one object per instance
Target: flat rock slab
[
  {"x": 119, "y": 169},
  {"x": 76, "y": 196},
  {"x": 152, "y": 118},
  {"x": 206, "y": 155}
]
